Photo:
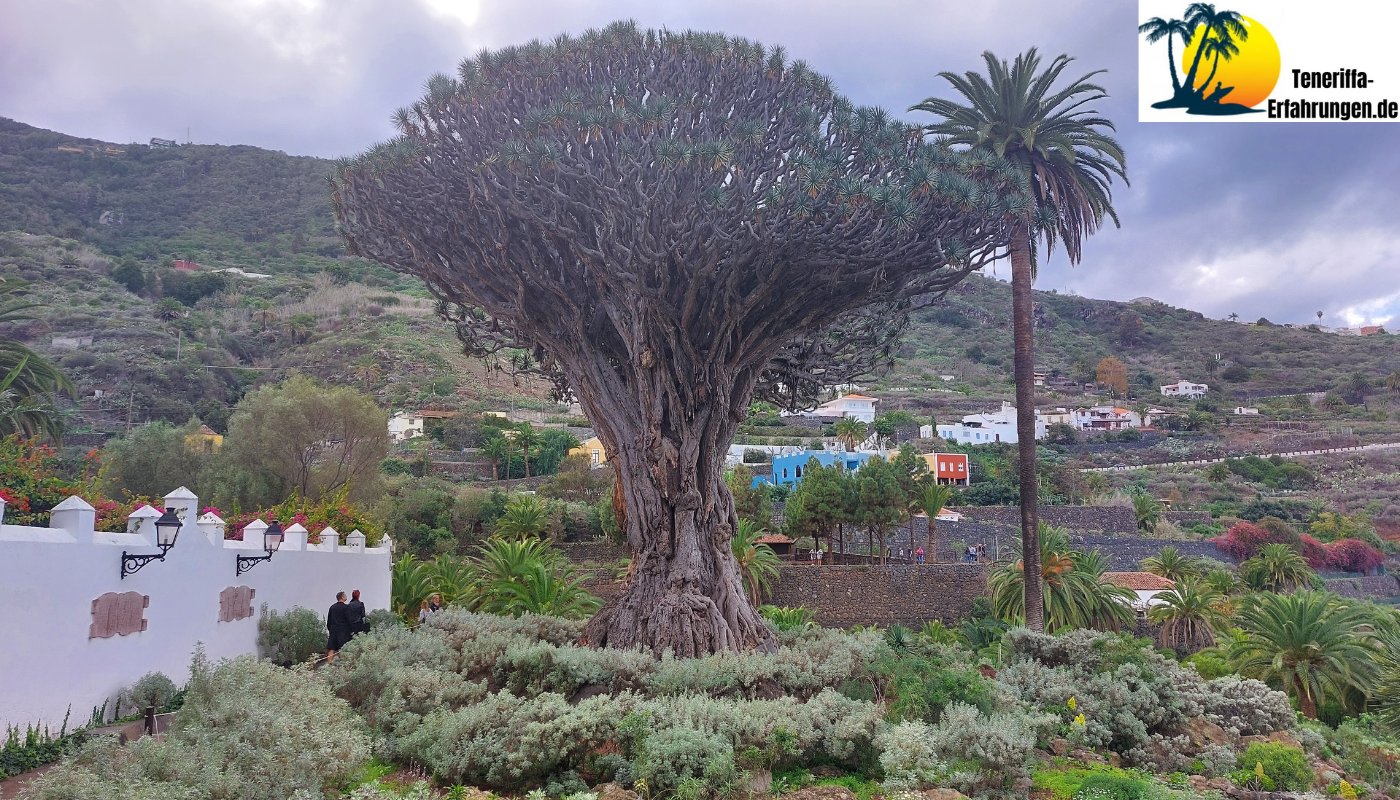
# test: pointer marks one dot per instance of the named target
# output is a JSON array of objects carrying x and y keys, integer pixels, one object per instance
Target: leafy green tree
[
  {"x": 1172, "y": 564},
  {"x": 527, "y": 439},
  {"x": 750, "y": 502},
  {"x": 168, "y": 309},
  {"x": 1064, "y": 147},
  {"x": 304, "y": 439},
  {"x": 820, "y": 504},
  {"x": 153, "y": 460},
  {"x": 1309, "y": 644},
  {"x": 1189, "y": 615},
  {"x": 129, "y": 274},
  {"x": 759, "y": 566},
  {"x": 880, "y": 501}
]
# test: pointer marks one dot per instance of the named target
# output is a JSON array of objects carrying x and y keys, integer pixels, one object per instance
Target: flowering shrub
[
  {"x": 113, "y": 515},
  {"x": 1313, "y": 551},
  {"x": 333, "y": 512},
  {"x": 1353, "y": 555},
  {"x": 32, "y": 480},
  {"x": 1245, "y": 539}
]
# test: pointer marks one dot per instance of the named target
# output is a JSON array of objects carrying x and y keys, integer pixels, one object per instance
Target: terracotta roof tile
[
  {"x": 773, "y": 538},
  {"x": 1138, "y": 581}
]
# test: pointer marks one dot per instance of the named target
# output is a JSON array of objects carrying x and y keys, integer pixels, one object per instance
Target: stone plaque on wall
[
  {"x": 117, "y": 614},
  {"x": 235, "y": 603}
]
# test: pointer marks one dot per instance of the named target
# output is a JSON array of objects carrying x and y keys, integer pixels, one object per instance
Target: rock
[
  {"x": 611, "y": 791},
  {"x": 1059, "y": 746},
  {"x": 1283, "y": 737},
  {"x": 819, "y": 793},
  {"x": 1203, "y": 732},
  {"x": 943, "y": 794},
  {"x": 760, "y": 783},
  {"x": 1086, "y": 756},
  {"x": 1218, "y": 784},
  {"x": 1115, "y": 760}
]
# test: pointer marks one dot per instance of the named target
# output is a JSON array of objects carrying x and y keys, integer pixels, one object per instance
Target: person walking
[
  {"x": 337, "y": 626},
  {"x": 355, "y": 615},
  {"x": 919, "y": 555}
]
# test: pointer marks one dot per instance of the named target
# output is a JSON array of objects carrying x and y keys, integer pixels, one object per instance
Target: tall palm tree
[
  {"x": 1189, "y": 615},
  {"x": 496, "y": 450},
  {"x": 1309, "y": 644},
  {"x": 758, "y": 564},
  {"x": 931, "y": 499},
  {"x": 528, "y": 439},
  {"x": 850, "y": 432},
  {"x": 1172, "y": 564},
  {"x": 1070, "y": 159},
  {"x": 1205, "y": 20},
  {"x": 1158, "y": 29},
  {"x": 1233, "y": 317}
]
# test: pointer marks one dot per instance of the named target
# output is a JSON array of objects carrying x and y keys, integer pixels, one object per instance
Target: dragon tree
[{"x": 673, "y": 224}]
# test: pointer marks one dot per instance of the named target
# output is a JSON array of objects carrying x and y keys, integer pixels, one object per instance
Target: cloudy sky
[{"x": 1276, "y": 220}]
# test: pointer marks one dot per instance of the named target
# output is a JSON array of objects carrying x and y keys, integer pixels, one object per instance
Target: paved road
[{"x": 1295, "y": 454}]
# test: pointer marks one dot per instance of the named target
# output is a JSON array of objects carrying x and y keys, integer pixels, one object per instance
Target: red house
[
  {"x": 948, "y": 468},
  {"x": 185, "y": 266}
]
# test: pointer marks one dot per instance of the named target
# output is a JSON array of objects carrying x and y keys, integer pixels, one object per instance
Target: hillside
[{"x": 96, "y": 230}]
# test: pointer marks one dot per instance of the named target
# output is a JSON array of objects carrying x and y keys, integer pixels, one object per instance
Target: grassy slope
[{"x": 268, "y": 212}]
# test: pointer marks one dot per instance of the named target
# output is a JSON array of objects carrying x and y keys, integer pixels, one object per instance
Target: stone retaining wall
[
  {"x": 596, "y": 551},
  {"x": 1366, "y": 587},
  {"x": 1107, "y": 519},
  {"x": 841, "y": 596}
]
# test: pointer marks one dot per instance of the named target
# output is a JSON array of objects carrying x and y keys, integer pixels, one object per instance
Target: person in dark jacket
[
  {"x": 355, "y": 612},
  {"x": 338, "y": 625}
]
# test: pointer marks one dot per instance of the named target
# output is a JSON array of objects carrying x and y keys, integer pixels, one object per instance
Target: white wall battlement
[{"x": 63, "y": 602}]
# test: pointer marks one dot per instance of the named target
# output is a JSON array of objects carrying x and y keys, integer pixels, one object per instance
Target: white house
[
  {"x": 988, "y": 428},
  {"x": 856, "y": 406},
  {"x": 1185, "y": 389},
  {"x": 1246, "y": 411},
  {"x": 1106, "y": 418},
  {"x": 404, "y": 426},
  {"x": 1143, "y": 584}
]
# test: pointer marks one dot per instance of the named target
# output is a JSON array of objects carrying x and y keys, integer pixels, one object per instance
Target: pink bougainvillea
[{"x": 1353, "y": 555}]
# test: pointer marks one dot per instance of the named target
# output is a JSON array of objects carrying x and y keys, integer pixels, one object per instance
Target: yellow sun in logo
[{"x": 1252, "y": 70}]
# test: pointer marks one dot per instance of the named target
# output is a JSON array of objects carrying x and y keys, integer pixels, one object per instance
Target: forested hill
[{"x": 122, "y": 214}]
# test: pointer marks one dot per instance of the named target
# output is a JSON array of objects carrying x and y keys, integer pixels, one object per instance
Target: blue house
[{"x": 787, "y": 470}]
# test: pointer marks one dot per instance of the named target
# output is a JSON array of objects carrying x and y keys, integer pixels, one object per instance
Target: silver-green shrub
[
  {"x": 290, "y": 637},
  {"x": 1247, "y": 707},
  {"x": 248, "y": 731},
  {"x": 907, "y": 757},
  {"x": 989, "y": 755},
  {"x": 668, "y": 757},
  {"x": 152, "y": 690}
]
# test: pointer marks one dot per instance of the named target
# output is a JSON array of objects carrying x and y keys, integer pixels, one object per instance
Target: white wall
[{"x": 49, "y": 578}]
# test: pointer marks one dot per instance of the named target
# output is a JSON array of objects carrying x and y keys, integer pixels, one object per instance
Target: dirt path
[
  {"x": 9, "y": 788},
  {"x": 1208, "y": 461}
]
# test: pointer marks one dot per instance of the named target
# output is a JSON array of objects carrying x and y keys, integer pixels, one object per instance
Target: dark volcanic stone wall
[{"x": 842, "y": 596}]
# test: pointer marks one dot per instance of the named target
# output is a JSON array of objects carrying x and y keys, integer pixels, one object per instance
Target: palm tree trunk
[
  {"x": 1171, "y": 62},
  {"x": 1022, "y": 320},
  {"x": 1205, "y": 85},
  {"x": 1189, "y": 82}
]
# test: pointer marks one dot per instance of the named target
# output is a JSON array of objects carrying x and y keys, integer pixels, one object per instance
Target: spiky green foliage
[
  {"x": 1172, "y": 564},
  {"x": 1312, "y": 645},
  {"x": 759, "y": 566},
  {"x": 1076, "y": 595},
  {"x": 1276, "y": 568},
  {"x": 29, "y": 384},
  {"x": 1188, "y": 614}
]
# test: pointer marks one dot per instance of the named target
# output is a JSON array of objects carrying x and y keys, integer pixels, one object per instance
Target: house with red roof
[{"x": 1143, "y": 584}]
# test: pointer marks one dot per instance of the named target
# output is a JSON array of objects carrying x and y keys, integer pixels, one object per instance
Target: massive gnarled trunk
[{"x": 684, "y": 593}]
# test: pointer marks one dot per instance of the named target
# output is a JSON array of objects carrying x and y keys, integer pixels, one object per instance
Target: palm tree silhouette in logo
[{"x": 1221, "y": 32}]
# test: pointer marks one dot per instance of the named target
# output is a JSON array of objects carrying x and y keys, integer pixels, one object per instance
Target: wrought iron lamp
[
  {"x": 167, "y": 531},
  {"x": 272, "y": 539}
]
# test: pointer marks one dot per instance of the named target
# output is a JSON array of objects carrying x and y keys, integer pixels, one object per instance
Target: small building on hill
[
  {"x": 787, "y": 469},
  {"x": 988, "y": 428},
  {"x": 1185, "y": 389},
  {"x": 404, "y": 426},
  {"x": 949, "y": 469},
  {"x": 1246, "y": 411},
  {"x": 593, "y": 450},
  {"x": 856, "y": 406},
  {"x": 204, "y": 440}
]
